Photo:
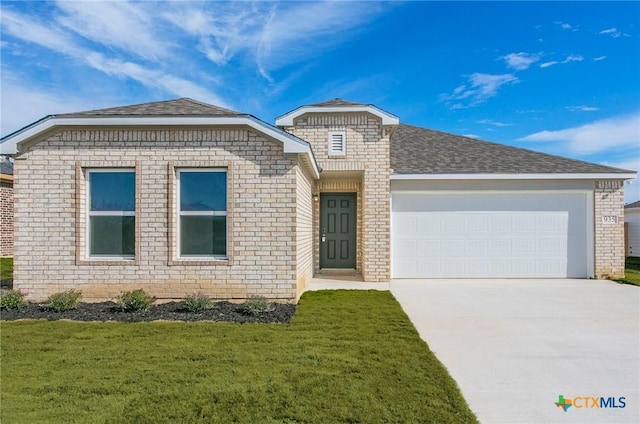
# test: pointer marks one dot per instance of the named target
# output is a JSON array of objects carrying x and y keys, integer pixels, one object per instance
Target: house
[
  {"x": 632, "y": 221},
  {"x": 6, "y": 207},
  {"x": 179, "y": 196}
]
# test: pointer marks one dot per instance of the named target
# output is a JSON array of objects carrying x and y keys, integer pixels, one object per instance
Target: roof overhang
[
  {"x": 545, "y": 176},
  {"x": 20, "y": 141},
  {"x": 287, "y": 119}
]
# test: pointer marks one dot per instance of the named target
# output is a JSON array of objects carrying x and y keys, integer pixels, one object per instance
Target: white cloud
[
  {"x": 471, "y": 135},
  {"x": 22, "y": 104},
  {"x": 570, "y": 58},
  {"x": 598, "y": 136},
  {"x": 599, "y": 58},
  {"x": 273, "y": 35},
  {"x": 123, "y": 25},
  {"x": 582, "y": 108},
  {"x": 547, "y": 64},
  {"x": 494, "y": 123},
  {"x": 478, "y": 89},
  {"x": 28, "y": 29},
  {"x": 520, "y": 61},
  {"x": 613, "y": 32},
  {"x": 566, "y": 26},
  {"x": 153, "y": 78}
]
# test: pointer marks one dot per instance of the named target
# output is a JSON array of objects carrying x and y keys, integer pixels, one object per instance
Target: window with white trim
[
  {"x": 202, "y": 213},
  {"x": 111, "y": 213},
  {"x": 337, "y": 143}
]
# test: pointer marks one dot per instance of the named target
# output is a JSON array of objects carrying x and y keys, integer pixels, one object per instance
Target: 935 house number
[{"x": 609, "y": 219}]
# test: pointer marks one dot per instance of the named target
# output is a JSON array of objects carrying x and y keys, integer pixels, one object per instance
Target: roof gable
[
  {"x": 416, "y": 150},
  {"x": 176, "y": 107},
  {"x": 337, "y": 106}
]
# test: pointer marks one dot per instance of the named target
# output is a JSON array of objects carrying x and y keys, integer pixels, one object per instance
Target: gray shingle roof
[
  {"x": 635, "y": 204},
  {"x": 416, "y": 150},
  {"x": 337, "y": 102},
  {"x": 6, "y": 167},
  {"x": 177, "y": 107}
]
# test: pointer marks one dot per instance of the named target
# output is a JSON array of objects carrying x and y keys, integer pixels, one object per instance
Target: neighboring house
[
  {"x": 178, "y": 196},
  {"x": 6, "y": 207},
  {"x": 632, "y": 218}
]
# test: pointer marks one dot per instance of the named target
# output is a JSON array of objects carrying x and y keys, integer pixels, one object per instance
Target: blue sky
[{"x": 562, "y": 78}]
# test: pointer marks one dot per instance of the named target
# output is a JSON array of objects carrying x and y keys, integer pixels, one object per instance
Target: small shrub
[
  {"x": 198, "y": 302},
  {"x": 11, "y": 299},
  {"x": 135, "y": 300},
  {"x": 257, "y": 305},
  {"x": 63, "y": 301}
]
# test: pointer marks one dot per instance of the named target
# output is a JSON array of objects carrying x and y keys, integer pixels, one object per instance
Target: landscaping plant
[
  {"x": 198, "y": 302},
  {"x": 135, "y": 300},
  {"x": 10, "y": 299},
  {"x": 63, "y": 301},
  {"x": 256, "y": 305}
]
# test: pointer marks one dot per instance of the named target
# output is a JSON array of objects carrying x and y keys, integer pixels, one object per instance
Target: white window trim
[
  {"x": 199, "y": 213},
  {"x": 343, "y": 135},
  {"x": 89, "y": 213}
]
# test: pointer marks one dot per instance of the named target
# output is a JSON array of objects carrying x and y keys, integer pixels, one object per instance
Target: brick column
[{"x": 609, "y": 229}]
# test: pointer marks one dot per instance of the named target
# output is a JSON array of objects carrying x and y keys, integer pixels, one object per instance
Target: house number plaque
[{"x": 609, "y": 219}]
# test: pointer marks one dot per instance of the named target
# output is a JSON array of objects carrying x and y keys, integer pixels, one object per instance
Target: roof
[
  {"x": 169, "y": 113},
  {"x": 416, "y": 150},
  {"x": 336, "y": 106},
  {"x": 633, "y": 205},
  {"x": 337, "y": 102},
  {"x": 6, "y": 167},
  {"x": 177, "y": 107}
]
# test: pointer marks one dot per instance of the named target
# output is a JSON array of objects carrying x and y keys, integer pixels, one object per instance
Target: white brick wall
[{"x": 263, "y": 213}]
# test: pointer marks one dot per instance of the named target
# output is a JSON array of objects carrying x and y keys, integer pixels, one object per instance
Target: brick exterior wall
[
  {"x": 609, "y": 237},
  {"x": 268, "y": 225},
  {"x": 367, "y": 155},
  {"x": 6, "y": 216},
  {"x": 304, "y": 230}
]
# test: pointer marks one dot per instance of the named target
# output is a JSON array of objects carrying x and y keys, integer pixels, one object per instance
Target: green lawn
[
  {"x": 6, "y": 268},
  {"x": 632, "y": 271},
  {"x": 347, "y": 356}
]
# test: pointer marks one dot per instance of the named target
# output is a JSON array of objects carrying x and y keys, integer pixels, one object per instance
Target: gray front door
[{"x": 338, "y": 230}]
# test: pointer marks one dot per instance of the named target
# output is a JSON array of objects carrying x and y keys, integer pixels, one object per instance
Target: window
[
  {"x": 202, "y": 213},
  {"x": 111, "y": 209},
  {"x": 337, "y": 143}
]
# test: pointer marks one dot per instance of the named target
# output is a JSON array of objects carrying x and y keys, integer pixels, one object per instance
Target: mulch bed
[{"x": 107, "y": 311}]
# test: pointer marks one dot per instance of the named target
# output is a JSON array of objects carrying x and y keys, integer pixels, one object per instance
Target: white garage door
[{"x": 497, "y": 234}]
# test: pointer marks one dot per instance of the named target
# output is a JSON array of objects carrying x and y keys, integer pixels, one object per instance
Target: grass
[
  {"x": 632, "y": 271},
  {"x": 347, "y": 356},
  {"x": 6, "y": 269}
]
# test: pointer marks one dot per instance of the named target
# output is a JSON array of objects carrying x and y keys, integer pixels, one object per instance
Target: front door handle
[{"x": 324, "y": 235}]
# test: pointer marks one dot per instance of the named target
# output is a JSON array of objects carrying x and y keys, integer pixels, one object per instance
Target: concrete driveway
[{"x": 514, "y": 346}]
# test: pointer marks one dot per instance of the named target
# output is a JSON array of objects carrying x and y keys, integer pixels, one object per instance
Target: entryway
[{"x": 338, "y": 230}]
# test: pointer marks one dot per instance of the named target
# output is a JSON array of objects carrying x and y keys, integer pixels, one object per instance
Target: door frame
[{"x": 354, "y": 196}]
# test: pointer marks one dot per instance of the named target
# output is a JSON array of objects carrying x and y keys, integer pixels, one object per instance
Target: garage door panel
[
  {"x": 407, "y": 247},
  {"x": 531, "y": 235},
  {"x": 429, "y": 225},
  {"x": 429, "y": 247}
]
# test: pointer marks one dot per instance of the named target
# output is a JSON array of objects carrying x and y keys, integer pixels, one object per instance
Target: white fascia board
[
  {"x": 287, "y": 119},
  {"x": 550, "y": 176}
]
